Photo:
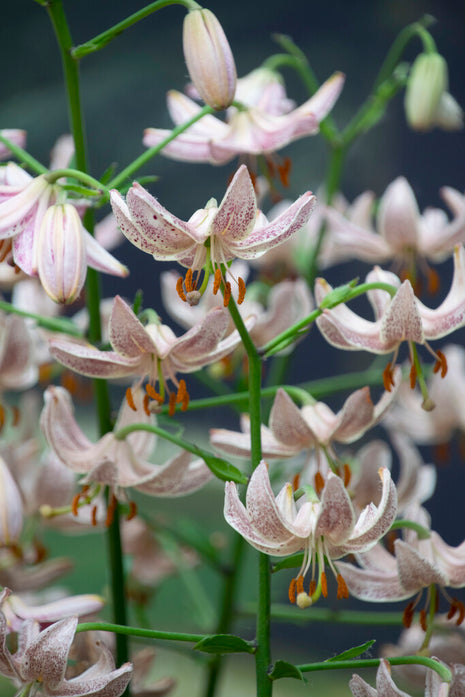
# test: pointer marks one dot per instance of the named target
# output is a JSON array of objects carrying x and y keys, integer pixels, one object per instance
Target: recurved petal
[
  {"x": 360, "y": 688},
  {"x": 98, "y": 258},
  {"x": 237, "y": 212},
  {"x": 402, "y": 320},
  {"x": 275, "y": 232},
  {"x": 127, "y": 335},
  {"x": 11, "y": 518},
  {"x": 195, "y": 347},
  {"x": 89, "y": 361},
  {"x": 324, "y": 99},
  {"x": 415, "y": 571},
  {"x": 398, "y": 216},
  {"x": 187, "y": 147},
  {"x": 15, "y": 209},
  {"x": 177, "y": 477},
  {"x": 96, "y": 681},
  {"x": 46, "y": 657},
  {"x": 337, "y": 518},
  {"x": 238, "y": 444},
  {"x": 450, "y": 315},
  {"x": 452, "y": 560},
  {"x": 78, "y": 605},
  {"x": 287, "y": 424},
  {"x": 373, "y": 585}
]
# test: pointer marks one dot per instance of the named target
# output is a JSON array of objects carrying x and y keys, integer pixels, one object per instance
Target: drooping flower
[
  {"x": 41, "y": 660},
  {"x": 152, "y": 351},
  {"x": 209, "y": 58},
  {"x": 266, "y": 123},
  {"x": 323, "y": 528},
  {"x": 24, "y": 232},
  {"x": 400, "y": 318},
  {"x": 120, "y": 464},
  {"x": 213, "y": 235},
  {"x": 386, "y": 687}
]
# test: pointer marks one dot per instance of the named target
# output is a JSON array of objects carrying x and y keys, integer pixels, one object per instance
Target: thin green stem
[
  {"x": 422, "y": 532},
  {"x": 101, "y": 40},
  {"x": 151, "y": 152},
  {"x": 24, "y": 156},
  {"x": 124, "y": 630},
  {"x": 55, "y": 324},
  {"x": 431, "y": 615},
  {"x": 55, "y": 174},
  {"x": 355, "y": 663},
  {"x": 288, "y": 613}
]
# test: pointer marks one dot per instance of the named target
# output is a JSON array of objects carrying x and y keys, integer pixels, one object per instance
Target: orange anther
[
  {"x": 2, "y": 417},
  {"x": 130, "y": 399},
  {"x": 181, "y": 391},
  {"x": 461, "y": 617},
  {"x": 172, "y": 404},
  {"x": 296, "y": 482},
  {"x": 347, "y": 474},
  {"x": 5, "y": 249},
  {"x": 423, "y": 622},
  {"x": 94, "y": 516},
  {"x": 75, "y": 504},
  {"x": 408, "y": 614},
  {"x": 319, "y": 483},
  {"x": 180, "y": 289},
  {"x": 284, "y": 171},
  {"x": 433, "y": 281},
  {"x": 145, "y": 404},
  {"x": 388, "y": 379},
  {"x": 216, "y": 281},
  {"x": 153, "y": 394},
  {"x": 227, "y": 294},
  {"x": 312, "y": 587},
  {"x": 441, "y": 364},
  {"x": 185, "y": 401},
  {"x": 241, "y": 294},
  {"x": 342, "y": 590},
  {"x": 300, "y": 584},
  {"x": 16, "y": 415},
  {"x": 132, "y": 510},
  {"x": 291, "y": 592},
  {"x": 188, "y": 281},
  {"x": 413, "y": 376},
  {"x": 111, "y": 510},
  {"x": 324, "y": 585}
]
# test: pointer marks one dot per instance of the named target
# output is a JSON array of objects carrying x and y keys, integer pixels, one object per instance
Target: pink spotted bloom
[{"x": 266, "y": 123}]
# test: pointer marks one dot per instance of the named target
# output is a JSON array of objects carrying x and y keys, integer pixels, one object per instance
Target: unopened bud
[
  {"x": 209, "y": 58},
  {"x": 61, "y": 253},
  {"x": 427, "y": 101}
]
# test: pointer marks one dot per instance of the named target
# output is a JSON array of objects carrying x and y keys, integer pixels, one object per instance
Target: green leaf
[
  {"x": 295, "y": 560},
  {"x": 338, "y": 295},
  {"x": 283, "y": 669},
  {"x": 354, "y": 652},
  {"x": 222, "y": 469},
  {"x": 224, "y": 643}
]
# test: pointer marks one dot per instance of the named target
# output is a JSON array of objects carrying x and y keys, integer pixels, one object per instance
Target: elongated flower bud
[
  {"x": 11, "y": 508},
  {"x": 209, "y": 58},
  {"x": 61, "y": 253},
  {"x": 427, "y": 101}
]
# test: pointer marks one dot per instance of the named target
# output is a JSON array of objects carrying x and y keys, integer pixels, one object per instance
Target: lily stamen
[
  {"x": 112, "y": 504},
  {"x": 172, "y": 404},
  {"x": 227, "y": 294},
  {"x": 217, "y": 281},
  {"x": 388, "y": 377},
  {"x": 441, "y": 363},
  {"x": 342, "y": 590},
  {"x": 130, "y": 399},
  {"x": 132, "y": 510},
  {"x": 180, "y": 289},
  {"x": 241, "y": 295},
  {"x": 319, "y": 483},
  {"x": 413, "y": 376}
]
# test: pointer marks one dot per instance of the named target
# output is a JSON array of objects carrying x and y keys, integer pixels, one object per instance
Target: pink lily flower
[
  {"x": 119, "y": 464},
  {"x": 402, "y": 234},
  {"x": 152, "y": 351},
  {"x": 398, "y": 319},
  {"x": 264, "y": 126},
  {"x": 42, "y": 656},
  {"x": 25, "y": 233},
  {"x": 386, "y": 687},
  {"x": 16, "y": 135},
  {"x": 213, "y": 236},
  {"x": 325, "y": 527}
]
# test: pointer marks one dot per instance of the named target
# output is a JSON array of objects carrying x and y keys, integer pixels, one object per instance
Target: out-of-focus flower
[
  {"x": 41, "y": 657},
  {"x": 151, "y": 351},
  {"x": 11, "y": 518},
  {"x": 24, "y": 224},
  {"x": 209, "y": 58},
  {"x": 386, "y": 687},
  {"x": 17, "y": 611},
  {"x": 398, "y": 319},
  {"x": 447, "y": 394},
  {"x": 261, "y": 127},
  {"x": 292, "y": 430},
  {"x": 427, "y": 101},
  {"x": 18, "y": 365},
  {"x": 213, "y": 235},
  {"x": 118, "y": 463},
  {"x": 16, "y": 135},
  {"x": 323, "y": 528},
  {"x": 402, "y": 234}
]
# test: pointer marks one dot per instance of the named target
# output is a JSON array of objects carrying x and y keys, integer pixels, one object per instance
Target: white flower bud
[
  {"x": 61, "y": 253},
  {"x": 209, "y": 58}
]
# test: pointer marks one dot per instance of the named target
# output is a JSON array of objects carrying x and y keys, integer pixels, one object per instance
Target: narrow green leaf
[
  {"x": 338, "y": 295},
  {"x": 224, "y": 643},
  {"x": 354, "y": 652},
  {"x": 222, "y": 469},
  {"x": 295, "y": 560},
  {"x": 283, "y": 669}
]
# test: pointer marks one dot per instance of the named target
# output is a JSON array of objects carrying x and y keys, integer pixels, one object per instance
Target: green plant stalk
[
  {"x": 24, "y": 156},
  {"x": 71, "y": 73},
  {"x": 288, "y": 613},
  {"x": 124, "y": 630},
  {"x": 101, "y": 40},
  {"x": 354, "y": 663},
  {"x": 55, "y": 324},
  {"x": 263, "y": 625},
  {"x": 151, "y": 152}
]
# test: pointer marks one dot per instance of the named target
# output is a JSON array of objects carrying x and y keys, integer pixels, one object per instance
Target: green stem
[
  {"x": 71, "y": 73},
  {"x": 422, "y": 532},
  {"x": 123, "y": 630},
  {"x": 101, "y": 40},
  {"x": 354, "y": 663},
  {"x": 55, "y": 174},
  {"x": 431, "y": 615},
  {"x": 55, "y": 324},
  {"x": 151, "y": 152},
  {"x": 24, "y": 156},
  {"x": 287, "y": 613}
]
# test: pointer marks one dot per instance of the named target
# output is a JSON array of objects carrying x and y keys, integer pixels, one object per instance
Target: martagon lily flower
[
  {"x": 386, "y": 687},
  {"x": 265, "y": 124},
  {"x": 152, "y": 351},
  {"x": 213, "y": 236},
  {"x": 401, "y": 318},
  {"x": 323, "y": 528}
]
